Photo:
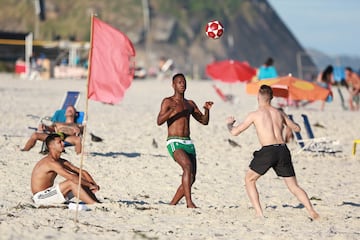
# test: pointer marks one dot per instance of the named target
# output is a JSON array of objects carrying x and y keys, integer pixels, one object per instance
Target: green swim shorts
[{"x": 174, "y": 143}]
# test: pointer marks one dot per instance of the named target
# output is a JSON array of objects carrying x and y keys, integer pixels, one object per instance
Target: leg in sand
[
  {"x": 322, "y": 107},
  {"x": 76, "y": 141},
  {"x": 301, "y": 195},
  {"x": 188, "y": 178},
  {"x": 85, "y": 194},
  {"x": 32, "y": 140},
  {"x": 250, "y": 182}
]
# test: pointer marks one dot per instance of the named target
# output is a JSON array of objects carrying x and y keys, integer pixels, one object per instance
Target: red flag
[{"x": 111, "y": 68}]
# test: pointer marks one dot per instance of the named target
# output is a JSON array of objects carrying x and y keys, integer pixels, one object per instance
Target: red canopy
[{"x": 230, "y": 71}]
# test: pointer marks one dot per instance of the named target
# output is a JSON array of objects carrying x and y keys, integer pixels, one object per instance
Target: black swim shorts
[{"x": 275, "y": 156}]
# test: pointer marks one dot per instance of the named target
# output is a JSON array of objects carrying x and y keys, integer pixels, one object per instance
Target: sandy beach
[{"x": 138, "y": 179}]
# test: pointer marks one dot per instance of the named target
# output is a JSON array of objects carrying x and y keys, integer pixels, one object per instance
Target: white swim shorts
[{"x": 50, "y": 195}]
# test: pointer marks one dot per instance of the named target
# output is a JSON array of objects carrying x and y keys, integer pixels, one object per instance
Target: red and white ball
[{"x": 214, "y": 29}]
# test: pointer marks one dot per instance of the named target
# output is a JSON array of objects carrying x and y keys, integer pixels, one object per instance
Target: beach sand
[{"x": 138, "y": 179}]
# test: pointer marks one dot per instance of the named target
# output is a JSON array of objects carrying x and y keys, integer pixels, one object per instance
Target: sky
[{"x": 330, "y": 26}]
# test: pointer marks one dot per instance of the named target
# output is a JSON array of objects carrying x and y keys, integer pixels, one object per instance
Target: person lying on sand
[{"x": 69, "y": 130}]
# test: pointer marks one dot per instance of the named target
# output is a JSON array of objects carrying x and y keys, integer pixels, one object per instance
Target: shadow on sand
[
  {"x": 128, "y": 155},
  {"x": 115, "y": 154}
]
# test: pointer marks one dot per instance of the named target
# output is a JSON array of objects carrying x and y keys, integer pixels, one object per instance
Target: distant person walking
[
  {"x": 267, "y": 70},
  {"x": 353, "y": 82},
  {"x": 269, "y": 123},
  {"x": 325, "y": 79}
]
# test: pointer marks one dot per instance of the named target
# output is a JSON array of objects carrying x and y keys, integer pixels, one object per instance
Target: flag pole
[{"x": 85, "y": 120}]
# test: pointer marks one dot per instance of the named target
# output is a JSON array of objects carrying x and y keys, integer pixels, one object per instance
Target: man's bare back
[
  {"x": 269, "y": 123},
  {"x": 43, "y": 175}
]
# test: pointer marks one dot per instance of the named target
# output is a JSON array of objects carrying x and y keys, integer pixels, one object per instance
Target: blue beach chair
[
  {"x": 307, "y": 125},
  {"x": 71, "y": 98},
  {"x": 317, "y": 145}
]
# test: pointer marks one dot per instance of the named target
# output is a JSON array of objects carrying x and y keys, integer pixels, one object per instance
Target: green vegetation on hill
[
  {"x": 71, "y": 18},
  {"x": 253, "y": 30}
]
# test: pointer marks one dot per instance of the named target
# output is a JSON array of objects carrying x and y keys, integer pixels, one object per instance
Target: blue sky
[{"x": 330, "y": 26}]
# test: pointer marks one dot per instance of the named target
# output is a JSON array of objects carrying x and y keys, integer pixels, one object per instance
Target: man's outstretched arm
[
  {"x": 236, "y": 130},
  {"x": 202, "y": 118},
  {"x": 291, "y": 124}
]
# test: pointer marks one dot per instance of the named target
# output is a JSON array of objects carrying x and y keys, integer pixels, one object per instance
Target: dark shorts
[
  {"x": 62, "y": 135},
  {"x": 275, "y": 156}
]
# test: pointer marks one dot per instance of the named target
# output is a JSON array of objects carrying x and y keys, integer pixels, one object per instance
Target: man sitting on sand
[
  {"x": 269, "y": 123},
  {"x": 69, "y": 130},
  {"x": 43, "y": 176}
]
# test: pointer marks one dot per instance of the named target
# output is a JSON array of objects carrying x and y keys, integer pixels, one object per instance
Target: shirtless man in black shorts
[
  {"x": 269, "y": 123},
  {"x": 176, "y": 111}
]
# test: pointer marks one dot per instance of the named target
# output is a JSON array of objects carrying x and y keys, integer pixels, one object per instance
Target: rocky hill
[
  {"x": 322, "y": 60},
  {"x": 174, "y": 29}
]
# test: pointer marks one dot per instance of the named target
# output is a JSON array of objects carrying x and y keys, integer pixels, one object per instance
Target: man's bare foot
[
  {"x": 314, "y": 215},
  {"x": 192, "y": 205},
  {"x": 18, "y": 148}
]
